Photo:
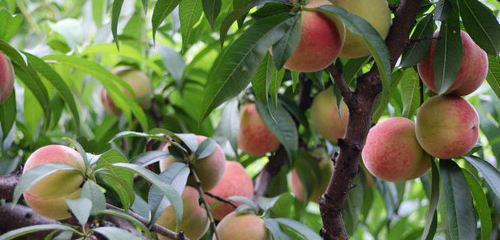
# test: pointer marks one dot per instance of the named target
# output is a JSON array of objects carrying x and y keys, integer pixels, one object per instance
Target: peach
[
  {"x": 447, "y": 126},
  {"x": 326, "y": 170},
  {"x": 194, "y": 222},
  {"x": 392, "y": 152},
  {"x": 234, "y": 182},
  {"x": 470, "y": 76},
  {"x": 210, "y": 169},
  {"x": 6, "y": 77},
  {"x": 326, "y": 118},
  {"x": 47, "y": 195},
  {"x": 255, "y": 138},
  {"x": 240, "y": 226},
  {"x": 320, "y": 42},
  {"x": 375, "y": 12},
  {"x": 138, "y": 81}
]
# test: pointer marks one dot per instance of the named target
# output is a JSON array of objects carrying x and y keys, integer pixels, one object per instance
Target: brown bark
[{"x": 360, "y": 103}]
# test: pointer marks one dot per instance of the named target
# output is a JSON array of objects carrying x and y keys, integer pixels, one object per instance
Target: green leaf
[
  {"x": 92, "y": 191},
  {"x": 98, "y": 10},
  {"x": 236, "y": 65},
  {"x": 35, "y": 228},
  {"x": 212, "y": 9},
  {"x": 493, "y": 77},
  {"x": 162, "y": 9},
  {"x": 241, "y": 8},
  {"x": 300, "y": 228},
  {"x": 431, "y": 219},
  {"x": 190, "y": 12},
  {"x": 150, "y": 157},
  {"x": 8, "y": 114},
  {"x": 273, "y": 226},
  {"x": 372, "y": 38},
  {"x": 59, "y": 84},
  {"x": 448, "y": 53},
  {"x": 281, "y": 124},
  {"x": 421, "y": 40},
  {"x": 9, "y": 24},
  {"x": 80, "y": 208},
  {"x": 459, "y": 211},
  {"x": 111, "y": 82},
  {"x": 284, "y": 48},
  {"x": 382, "y": 100},
  {"x": 481, "y": 24},
  {"x": 481, "y": 204},
  {"x": 409, "y": 87},
  {"x": 205, "y": 149},
  {"x": 131, "y": 219},
  {"x": 172, "y": 195},
  {"x": 489, "y": 173},
  {"x": 113, "y": 233},
  {"x": 34, "y": 175},
  {"x": 115, "y": 16}
]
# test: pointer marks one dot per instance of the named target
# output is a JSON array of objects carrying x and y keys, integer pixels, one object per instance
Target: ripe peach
[
  {"x": 194, "y": 220},
  {"x": 255, "y": 138},
  {"x": 320, "y": 42},
  {"x": 210, "y": 169},
  {"x": 236, "y": 226},
  {"x": 392, "y": 151},
  {"x": 138, "y": 81},
  {"x": 235, "y": 182},
  {"x": 326, "y": 118},
  {"x": 326, "y": 170},
  {"x": 471, "y": 74},
  {"x": 6, "y": 77},
  {"x": 47, "y": 195},
  {"x": 376, "y": 12},
  {"x": 447, "y": 126}
]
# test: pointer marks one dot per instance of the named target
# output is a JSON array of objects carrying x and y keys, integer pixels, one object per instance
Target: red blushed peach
[
  {"x": 209, "y": 169},
  {"x": 326, "y": 118},
  {"x": 6, "y": 77},
  {"x": 194, "y": 220},
  {"x": 392, "y": 152},
  {"x": 47, "y": 195},
  {"x": 471, "y": 74},
  {"x": 255, "y": 138},
  {"x": 242, "y": 226},
  {"x": 140, "y": 84},
  {"x": 235, "y": 182},
  {"x": 320, "y": 42},
  {"x": 447, "y": 126}
]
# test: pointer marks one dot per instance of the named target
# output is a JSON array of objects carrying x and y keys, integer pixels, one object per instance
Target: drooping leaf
[
  {"x": 212, "y": 9},
  {"x": 431, "y": 219},
  {"x": 162, "y": 9},
  {"x": 284, "y": 48},
  {"x": 115, "y": 16},
  {"x": 481, "y": 204},
  {"x": 190, "y": 12},
  {"x": 489, "y": 173},
  {"x": 493, "y": 77},
  {"x": 421, "y": 40},
  {"x": 80, "y": 208},
  {"x": 92, "y": 191},
  {"x": 113, "y": 233}
]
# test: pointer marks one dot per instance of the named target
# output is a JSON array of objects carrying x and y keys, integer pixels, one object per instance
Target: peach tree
[{"x": 249, "y": 119}]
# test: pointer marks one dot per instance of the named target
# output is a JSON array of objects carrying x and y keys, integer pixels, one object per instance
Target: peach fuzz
[
  {"x": 392, "y": 152},
  {"x": 447, "y": 126},
  {"x": 234, "y": 182},
  {"x": 320, "y": 42},
  {"x": 471, "y": 74},
  {"x": 239, "y": 226},
  {"x": 326, "y": 118},
  {"x": 209, "y": 169},
  {"x": 194, "y": 222},
  {"x": 47, "y": 195},
  {"x": 254, "y": 137},
  {"x": 6, "y": 77}
]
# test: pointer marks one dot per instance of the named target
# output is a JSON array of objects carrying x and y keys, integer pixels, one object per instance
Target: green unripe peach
[
  {"x": 194, "y": 222},
  {"x": 255, "y": 138},
  {"x": 326, "y": 170},
  {"x": 471, "y": 74},
  {"x": 447, "y": 126},
  {"x": 242, "y": 226},
  {"x": 235, "y": 182},
  {"x": 6, "y": 77},
  {"x": 140, "y": 84},
  {"x": 320, "y": 42},
  {"x": 326, "y": 118},
  {"x": 376, "y": 12},
  {"x": 210, "y": 169},
  {"x": 47, "y": 195},
  {"x": 392, "y": 152}
]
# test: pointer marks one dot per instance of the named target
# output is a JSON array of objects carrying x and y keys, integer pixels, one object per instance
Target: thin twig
[
  {"x": 204, "y": 202},
  {"x": 340, "y": 82},
  {"x": 221, "y": 199}
]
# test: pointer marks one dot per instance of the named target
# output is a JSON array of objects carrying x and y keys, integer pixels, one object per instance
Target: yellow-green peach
[
  {"x": 242, "y": 226},
  {"x": 326, "y": 118}
]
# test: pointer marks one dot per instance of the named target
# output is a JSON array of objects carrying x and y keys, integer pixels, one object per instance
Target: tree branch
[
  {"x": 221, "y": 199},
  {"x": 17, "y": 216},
  {"x": 340, "y": 82},
  {"x": 360, "y": 109},
  {"x": 7, "y": 185},
  {"x": 204, "y": 202}
]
